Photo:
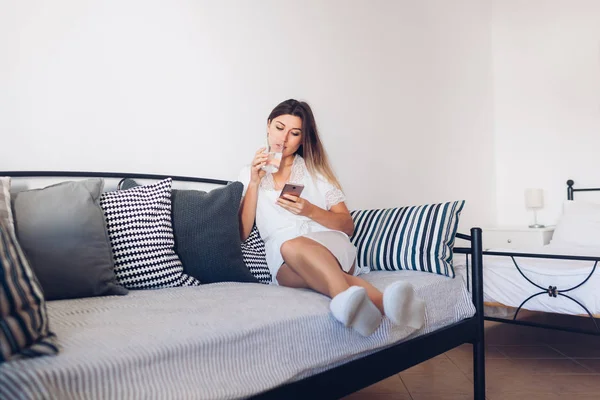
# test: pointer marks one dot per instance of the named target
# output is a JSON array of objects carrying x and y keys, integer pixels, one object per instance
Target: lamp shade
[{"x": 534, "y": 198}]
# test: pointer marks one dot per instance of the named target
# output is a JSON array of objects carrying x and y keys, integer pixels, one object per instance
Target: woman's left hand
[{"x": 296, "y": 205}]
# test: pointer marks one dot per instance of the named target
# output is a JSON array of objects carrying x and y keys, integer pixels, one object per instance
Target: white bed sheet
[{"x": 502, "y": 282}]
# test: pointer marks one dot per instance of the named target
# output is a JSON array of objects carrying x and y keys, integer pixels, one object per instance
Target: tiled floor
[{"x": 521, "y": 363}]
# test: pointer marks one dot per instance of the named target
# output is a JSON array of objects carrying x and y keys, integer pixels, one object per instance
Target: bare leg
[
  {"x": 320, "y": 270},
  {"x": 315, "y": 265},
  {"x": 287, "y": 277}
]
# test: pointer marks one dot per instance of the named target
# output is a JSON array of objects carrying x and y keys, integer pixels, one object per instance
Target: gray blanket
[{"x": 218, "y": 341}]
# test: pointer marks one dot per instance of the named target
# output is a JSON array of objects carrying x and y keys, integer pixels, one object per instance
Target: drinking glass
[{"x": 274, "y": 151}]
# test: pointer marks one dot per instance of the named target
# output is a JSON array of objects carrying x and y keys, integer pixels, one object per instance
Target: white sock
[
  {"x": 353, "y": 308},
  {"x": 402, "y": 307}
]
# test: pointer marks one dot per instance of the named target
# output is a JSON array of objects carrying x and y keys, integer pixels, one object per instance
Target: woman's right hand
[{"x": 259, "y": 161}]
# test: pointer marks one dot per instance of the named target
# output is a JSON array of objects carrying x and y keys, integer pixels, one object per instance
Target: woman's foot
[
  {"x": 353, "y": 308},
  {"x": 402, "y": 307}
]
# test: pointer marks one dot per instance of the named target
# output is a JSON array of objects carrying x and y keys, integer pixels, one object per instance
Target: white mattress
[
  {"x": 502, "y": 282},
  {"x": 218, "y": 341}
]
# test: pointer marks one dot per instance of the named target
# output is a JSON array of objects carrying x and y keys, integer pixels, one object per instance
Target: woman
[{"x": 307, "y": 237}]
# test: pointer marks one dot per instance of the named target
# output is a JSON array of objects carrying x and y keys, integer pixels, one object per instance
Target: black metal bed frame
[
  {"x": 360, "y": 373},
  {"x": 553, "y": 291}
]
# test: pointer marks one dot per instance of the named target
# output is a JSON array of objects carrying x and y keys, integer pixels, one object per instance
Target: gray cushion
[
  {"x": 62, "y": 231},
  {"x": 207, "y": 237}
]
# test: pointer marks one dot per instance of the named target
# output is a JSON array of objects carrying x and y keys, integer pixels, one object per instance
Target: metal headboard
[
  {"x": 571, "y": 190},
  {"x": 118, "y": 175}
]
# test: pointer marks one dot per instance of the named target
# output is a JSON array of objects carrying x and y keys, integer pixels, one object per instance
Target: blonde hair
[{"x": 311, "y": 149}]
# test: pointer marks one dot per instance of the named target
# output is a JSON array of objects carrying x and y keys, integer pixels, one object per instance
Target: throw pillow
[
  {"x": 255, "y": 256},
  {"x": 579, "y": 225},
  {"x": 141, "y": 235},
  {"x": 419, "y": 238},
  {"x": 62, "y": 231},
  {"x": 6, "y": 214},
  {"x": 24, "y": 330},
  {"x": 206, "y": 227}
]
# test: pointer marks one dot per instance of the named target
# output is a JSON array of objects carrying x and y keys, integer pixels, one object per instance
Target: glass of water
[{"x": 275, "y": 152}]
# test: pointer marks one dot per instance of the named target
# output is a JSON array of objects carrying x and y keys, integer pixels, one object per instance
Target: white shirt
[{"x": 277, "y": 225}]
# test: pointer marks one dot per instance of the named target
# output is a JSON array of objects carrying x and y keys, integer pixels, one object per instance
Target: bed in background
[
  {"x": 562, "y": 277},
  {"x": 246, "y": 355}
]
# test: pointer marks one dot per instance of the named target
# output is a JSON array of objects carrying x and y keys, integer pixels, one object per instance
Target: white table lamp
[{"x": 534, "y": 200}]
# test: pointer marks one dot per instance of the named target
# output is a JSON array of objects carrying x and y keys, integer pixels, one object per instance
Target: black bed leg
[
  {"x": 479, "y": 371},
  {"x": 479, "y": 343}
]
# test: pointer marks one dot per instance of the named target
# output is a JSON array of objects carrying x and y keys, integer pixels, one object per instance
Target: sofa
[{"x": 184, "y": 311}]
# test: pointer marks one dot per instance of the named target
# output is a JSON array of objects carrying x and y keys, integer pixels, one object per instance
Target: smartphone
[{"x": 294, "y": 189}]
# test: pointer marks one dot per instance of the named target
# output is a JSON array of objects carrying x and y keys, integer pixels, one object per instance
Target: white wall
[
  {"x": 546, "y": 69},
  {"x": 402, "y": 90}
]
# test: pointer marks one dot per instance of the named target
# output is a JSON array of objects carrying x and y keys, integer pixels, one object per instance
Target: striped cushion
[
  {"x": 24, "y": 328},
  {"x": 5, "y": 207},
  {"x": 418, "y": 238}
]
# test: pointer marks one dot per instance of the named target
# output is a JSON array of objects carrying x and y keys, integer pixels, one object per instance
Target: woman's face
[{"x": 287, "y": 129}]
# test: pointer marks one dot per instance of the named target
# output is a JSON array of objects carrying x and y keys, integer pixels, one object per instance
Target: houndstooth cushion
[
  {"x": 141, "y": 235},
  {"x": 255, "y": 257}
]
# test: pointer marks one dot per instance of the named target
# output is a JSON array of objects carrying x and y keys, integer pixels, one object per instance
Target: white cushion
[{"x": 579, "y": 225}]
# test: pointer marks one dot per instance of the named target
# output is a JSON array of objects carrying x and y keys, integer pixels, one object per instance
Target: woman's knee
[
  {"x": 292, "y": 248},
  {"x": 287, "y": 249}
]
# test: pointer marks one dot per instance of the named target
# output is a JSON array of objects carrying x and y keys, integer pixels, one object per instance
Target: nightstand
[{"x": 510, "y": 237}]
